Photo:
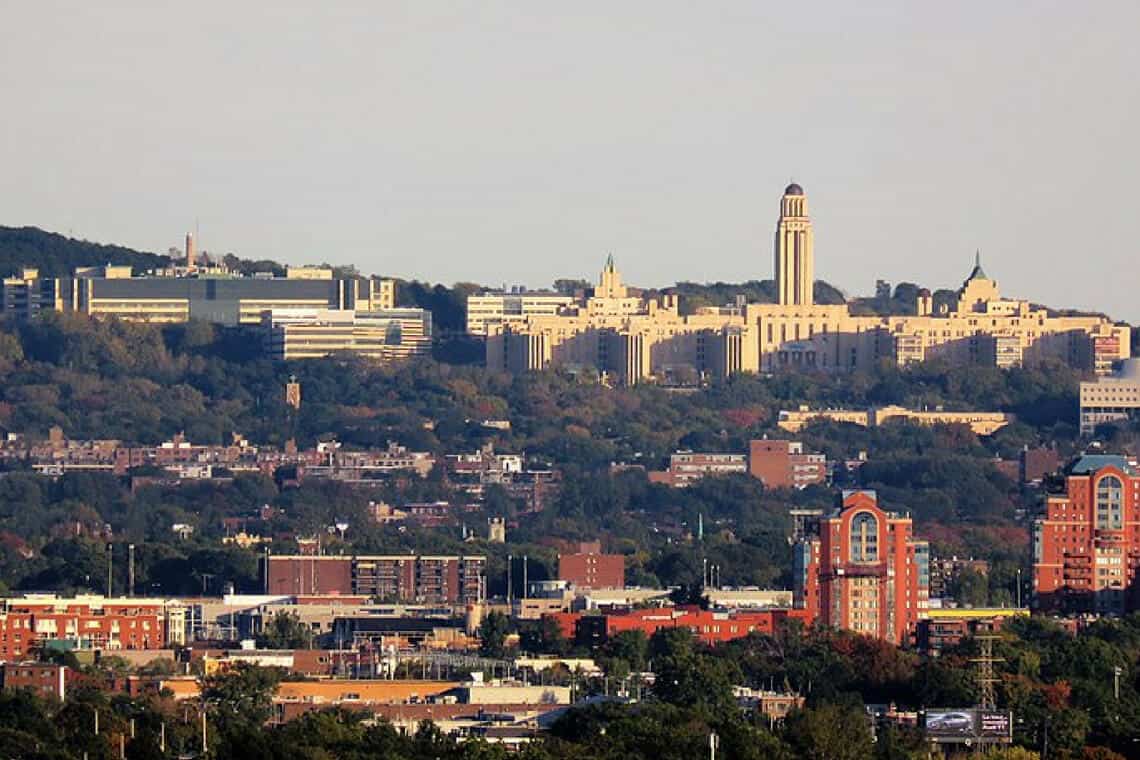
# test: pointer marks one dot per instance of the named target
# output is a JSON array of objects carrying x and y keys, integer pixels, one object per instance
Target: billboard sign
[{"x": 968, "y": 725}]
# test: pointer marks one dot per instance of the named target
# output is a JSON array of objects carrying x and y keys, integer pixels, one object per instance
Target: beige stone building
[
  {"x": 980, "y": 423},
  {"x": 637, "y": 339}
]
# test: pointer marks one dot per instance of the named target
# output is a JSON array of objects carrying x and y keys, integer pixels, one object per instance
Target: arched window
[
  {"x": 864, "y": 538},
  {"x": 1109, "y": 503}
]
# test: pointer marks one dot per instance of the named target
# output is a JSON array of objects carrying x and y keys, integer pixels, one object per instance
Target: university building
[
  {"x": 862, "y": 570},
  {"x": 112, "y": 291},
  {"x": 636, "y": 339},
  {"x": 382, "y": 335},
  {"x": 1086, "y": 548},
  {"x": 1111, "y": 399}
]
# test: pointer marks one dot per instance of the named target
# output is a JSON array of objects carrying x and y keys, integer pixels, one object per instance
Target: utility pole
[
  {"x": 714, "y": 742},
  {"x": 1116, "y": 673},
  {"x": 110, "y": 562},
  {"x": 526, "y": 593},
  {"x": 510, "y": 560},
  {"x": 130, "y": 570}
]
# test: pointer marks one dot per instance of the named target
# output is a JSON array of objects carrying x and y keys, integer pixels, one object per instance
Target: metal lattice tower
[{"x": 985, "y": 662}]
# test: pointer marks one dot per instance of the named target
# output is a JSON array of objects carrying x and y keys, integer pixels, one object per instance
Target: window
[
  {"x": 1109, "y": 503},
  {"x": 864, "y": 538}
]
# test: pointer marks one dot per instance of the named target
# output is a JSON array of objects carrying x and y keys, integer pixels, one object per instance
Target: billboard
[{"x": 968, "y": 725}]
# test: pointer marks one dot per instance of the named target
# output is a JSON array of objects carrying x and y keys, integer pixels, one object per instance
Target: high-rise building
[
  {"x": 1086, "y": 548},
  {"x": 864, "y": 571},
  {"x": 794, "y": 269}
]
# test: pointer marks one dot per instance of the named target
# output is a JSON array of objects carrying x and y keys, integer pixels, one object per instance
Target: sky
[{"x": 518, "y": 142}]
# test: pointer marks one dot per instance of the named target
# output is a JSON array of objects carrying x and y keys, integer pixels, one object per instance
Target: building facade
[
  {"x": 410, "y": 578},
  {"x": 980, "y": 423},
  {"x": 1086, "y": 548},
  {"x": 635, "y": 339},
  {"x": 590, "y": 570},
  {"x": 784, "y": 464},
  {"x": 88, "y": 622},
  {"x": 686, "y": 467},
  {"x": 1111, "y": 399},
  {"x": 490, "y": 313},
  {"x": 178, "y": 296},
  {"x": 383, "y": 336},
  {"x": 864, "y": 571}
]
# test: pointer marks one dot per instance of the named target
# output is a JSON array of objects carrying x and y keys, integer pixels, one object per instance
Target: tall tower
[
  {"x": 191, "y": 254},
  {"x": 795, "y": 267}
]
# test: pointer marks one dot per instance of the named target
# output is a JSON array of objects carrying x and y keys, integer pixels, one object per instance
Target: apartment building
[
  {"x": 46, "y": 680},
  {"x": 88, "y": 622},
  {"x": 408, "y": 578},
  {"x": 864, "y": 571},
  {"x": 1086, "y": 547}
]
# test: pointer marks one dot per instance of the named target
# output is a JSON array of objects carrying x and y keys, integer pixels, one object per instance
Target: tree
[
  {"x": 830, "y": 732},
  {"x": 493, "y": 635},
  {"x": 285, "y": 631},
  {"x": 241, "y": 694}
]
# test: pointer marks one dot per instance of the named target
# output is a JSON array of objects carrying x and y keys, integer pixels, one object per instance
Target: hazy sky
[{"x": 519, "y": 142}]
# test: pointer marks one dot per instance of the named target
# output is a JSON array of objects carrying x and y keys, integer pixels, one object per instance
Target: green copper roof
[
  {"x": 977, "y": 273},
  {"x": 1090, "y": 463}
]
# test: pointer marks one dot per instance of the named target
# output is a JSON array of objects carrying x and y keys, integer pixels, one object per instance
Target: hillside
[{"x": 57, "y": 255}]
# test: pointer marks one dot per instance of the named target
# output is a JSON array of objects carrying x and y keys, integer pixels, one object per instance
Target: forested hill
[
  {"x": 696, "y": 294},
  {"x": 57, "y": 255}
]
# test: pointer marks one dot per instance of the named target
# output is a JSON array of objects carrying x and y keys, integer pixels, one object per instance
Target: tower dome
[{"x": 793, "y": 189}]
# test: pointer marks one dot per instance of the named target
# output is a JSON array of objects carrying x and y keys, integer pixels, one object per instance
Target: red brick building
[
  {"x": 396, "y": 577},
  {"x": 46, "y": 679},
  {"x": 1086, "y": 549},
  {"x": 709, "y": 626},
  {"x": 686, "y": 467},
  {"x": 591, "y": 569},
  {"x": 91, "y": 622},
  {"x": 783, "y": 464},
  {"x": 864, "y": 571}
]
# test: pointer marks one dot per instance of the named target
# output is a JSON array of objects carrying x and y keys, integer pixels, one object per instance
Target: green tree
[
  {"x": 284, "y": 630},
  {"x": 493, "y": 635},
  {"x": 241, "y": 695}
]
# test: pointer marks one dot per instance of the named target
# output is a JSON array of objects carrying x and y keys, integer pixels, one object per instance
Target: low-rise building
[
  {"x": 28, "y": 622},
  {"x": 45, "y": 679},
  {"x": 685, "y": 467},
  {"x": 980, "y": 423}
]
